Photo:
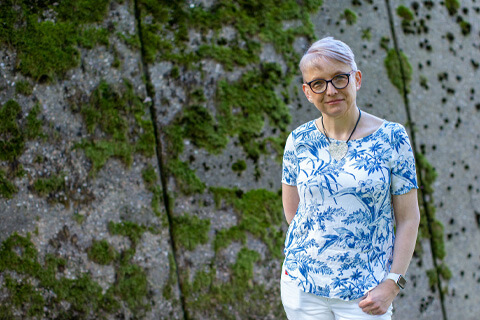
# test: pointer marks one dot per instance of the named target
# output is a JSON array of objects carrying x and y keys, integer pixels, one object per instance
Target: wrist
[
  {"x": 392, "y": 285},
  {"x": 398, "y": 279}
]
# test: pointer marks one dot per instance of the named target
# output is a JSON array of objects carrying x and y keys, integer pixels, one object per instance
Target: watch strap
[{"x": 398, "y": 279}]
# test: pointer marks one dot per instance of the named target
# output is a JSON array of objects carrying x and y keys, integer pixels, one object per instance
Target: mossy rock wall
[
  {"x": 81, "y": 202},
  {"x": 141, "y": 150}
]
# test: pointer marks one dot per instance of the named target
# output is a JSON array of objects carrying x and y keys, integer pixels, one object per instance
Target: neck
[{"x": 341, "y": 127}]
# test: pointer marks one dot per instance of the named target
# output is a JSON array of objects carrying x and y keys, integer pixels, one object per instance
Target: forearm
[
  {"x": 379, "y": 299},
  {"x": 290, "y": 201},
  {"x": 405, "y": 239}
]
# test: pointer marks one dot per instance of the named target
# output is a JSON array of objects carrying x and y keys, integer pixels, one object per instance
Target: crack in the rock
[
  {"x": 419, "y": 173},
  {"x": 159, "y": 154}
]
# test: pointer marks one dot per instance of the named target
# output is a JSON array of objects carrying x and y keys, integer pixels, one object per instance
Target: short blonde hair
[{"x": 327, "y": 49}]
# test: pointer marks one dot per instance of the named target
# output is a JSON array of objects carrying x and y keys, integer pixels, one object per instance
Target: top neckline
[{"x": 351, "y": 140}]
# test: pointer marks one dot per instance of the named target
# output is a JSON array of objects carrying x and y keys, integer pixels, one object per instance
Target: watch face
[{"x": 401, "y": 282}]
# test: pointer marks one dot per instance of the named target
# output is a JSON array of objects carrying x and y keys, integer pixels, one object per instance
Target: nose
[{"x": 331, "y": 90}]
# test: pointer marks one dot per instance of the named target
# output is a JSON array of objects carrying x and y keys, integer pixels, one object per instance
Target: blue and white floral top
[{"x": 340, "y": 242}]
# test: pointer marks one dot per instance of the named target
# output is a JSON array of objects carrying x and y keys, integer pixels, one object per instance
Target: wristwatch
[{"x": 398, "y": 278}]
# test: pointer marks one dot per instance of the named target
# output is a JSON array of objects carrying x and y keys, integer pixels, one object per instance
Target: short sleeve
[
  {"x": 290, "y": 163},
  {"x": 403, "y": 173}
]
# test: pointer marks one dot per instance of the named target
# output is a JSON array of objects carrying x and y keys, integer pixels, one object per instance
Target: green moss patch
[
  {"x": 131, "y": 286},
  {"x": 199, "y": 126},
  {"x": 186, "y": 178},
  {"x": 260, "y": 214},
  {"x": 15, "y": 130},
  {"x": 47, "y": 49},
  {"x": 101, "y": 252},
  {"x": 430, "y": 227},
  {"x": 239, "y": 166},
  {"x": 242, "y": 109},
  {"x": 23, "y": 87},
  {"x": 465, "y": 27},
  {"x": 350, "y": 16},
  {"x": 405, "y": 13},
  {"x": 244, "y": 95},
  {"x": 127, "y": 229},
  {"x": 12, "y": 141},
  {"x": 167, "y": 291},
  {"x": 53, "y": 187},
  {"x": 24, "y": 296},
  {"x": 190, "y": 231},
  {"x": 82, "y": 294},
  {"x": 118, "y": 123},
  {"x": 244, "y": 105},
  {"x": 394, "y": 63},
  {"x": 239, "y": 297},
  {"x": 230, "y": 57},
  {"x": 452, "y": 6},
  {"x": 367, "y": 34},
  {"x": 407, "y": 17},
  {"x": 7, "y": 188},
  {"x": 82, "y": 11},
  {"x": 252, "y": 21},
  {"x": 149, "y": 176}
]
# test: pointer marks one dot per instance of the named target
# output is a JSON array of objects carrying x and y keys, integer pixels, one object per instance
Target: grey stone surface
[
  {"x": 445, "y": 120},
  {"x": 67, "y": 224},
  {"x": 447, "y": 117}
]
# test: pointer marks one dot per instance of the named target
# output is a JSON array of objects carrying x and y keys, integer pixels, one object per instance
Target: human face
[{"x": 333, "y": 102}]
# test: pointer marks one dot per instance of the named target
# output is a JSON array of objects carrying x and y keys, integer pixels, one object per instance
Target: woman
[{"x": 347, "y": 177}]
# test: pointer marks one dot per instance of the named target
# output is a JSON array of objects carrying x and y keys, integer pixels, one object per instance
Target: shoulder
[
  {"x": 303, "y": 131},
  {"x": 307, "y": 126},
  {"x": 368, "y": 126},
  {"x": 394, "y": 126},
  {"x": 371, "y": 121},
  {"x": 397, "y": 137},
  {"x": 395, "y": 130}
]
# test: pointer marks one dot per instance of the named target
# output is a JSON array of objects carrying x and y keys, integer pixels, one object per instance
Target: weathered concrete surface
[
  {"x": 447, "y": 117},
  {"x": 68, "y": 221},
  {"x": 239, "y": 279}
]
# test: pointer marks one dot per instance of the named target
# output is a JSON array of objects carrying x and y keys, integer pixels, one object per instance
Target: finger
[
  {"x": 365, "y": 303},
  {"x": 371, "y": 311}
]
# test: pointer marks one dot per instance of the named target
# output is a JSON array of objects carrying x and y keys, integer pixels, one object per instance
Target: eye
[
  {"x": 340, "y": 81},
  {"x": 340, "y": 77},
  {"x": 318, "y": 84}
]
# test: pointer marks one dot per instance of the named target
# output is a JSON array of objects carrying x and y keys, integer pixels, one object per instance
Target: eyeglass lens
[{"x": 339, "y": 82}]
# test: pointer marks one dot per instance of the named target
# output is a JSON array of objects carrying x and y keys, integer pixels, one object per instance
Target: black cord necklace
[{"x": 339, "y": 149}]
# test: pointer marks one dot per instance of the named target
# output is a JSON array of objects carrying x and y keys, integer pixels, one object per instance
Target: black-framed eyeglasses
[{"x": 340, "y": 81}]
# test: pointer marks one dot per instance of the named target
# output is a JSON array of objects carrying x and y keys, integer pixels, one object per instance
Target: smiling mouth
[{"x": 334, "y": 101}]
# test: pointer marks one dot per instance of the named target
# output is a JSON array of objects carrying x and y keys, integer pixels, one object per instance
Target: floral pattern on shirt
[{"x": 340, "y": 242}]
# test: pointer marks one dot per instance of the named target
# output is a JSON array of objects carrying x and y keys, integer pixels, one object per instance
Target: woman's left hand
[{"x": 377, "y": 301}]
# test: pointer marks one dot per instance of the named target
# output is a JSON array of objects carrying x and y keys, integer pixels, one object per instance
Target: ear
[
  {"x": 307, "y": 92},
  {"x": 358, "y": 79}
]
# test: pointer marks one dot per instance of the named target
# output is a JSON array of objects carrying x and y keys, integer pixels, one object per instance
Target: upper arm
[
  {"x": 290, "y": 200},
  {"x": 405, "y": 206},
  {"x": 403, "y": 171}
]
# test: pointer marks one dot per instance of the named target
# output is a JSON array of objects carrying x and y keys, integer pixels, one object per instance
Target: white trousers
[{"x": 300, "y": 305}]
